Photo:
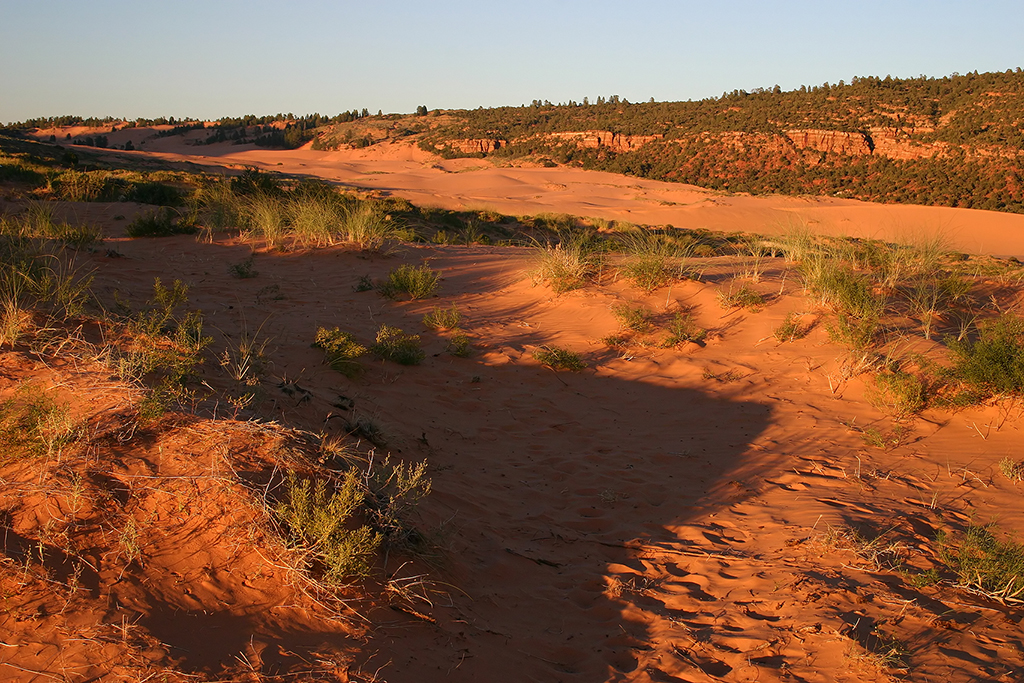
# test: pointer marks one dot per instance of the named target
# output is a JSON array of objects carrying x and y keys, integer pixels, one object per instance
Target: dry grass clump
[
  {"x": 568, "y": 264},
  {"x": 790, "y": 329},
  {"x": 653, "y": 259},
  {"x": 34, "y": 424},
  {"x": 443, "y": 318},
  {"x": 897, "y": 393}
]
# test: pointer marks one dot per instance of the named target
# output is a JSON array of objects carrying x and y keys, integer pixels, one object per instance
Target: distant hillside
[{"x": 954, "y": 141}]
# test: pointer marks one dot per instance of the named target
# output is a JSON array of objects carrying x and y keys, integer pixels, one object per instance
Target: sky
[{"x": 212, "y": 58}]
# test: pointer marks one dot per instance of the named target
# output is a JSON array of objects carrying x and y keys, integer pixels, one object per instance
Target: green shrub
[
  {"x": 858, "y": 334},
  {"x": 443, "y": 318},
  {"x": 986, "y": 565},
  {"x": 897, "y": 393},
  {"x": 632, "y": 318},
  {"x": 341, "y": 348},
  {"x": 160, "y": 223},
  {"x": 458, "y": 344},
  {"x": 683, "y": 328},
  {"x": 994, "y": 363},
  {"x": 559, "y": 359},
  {"x": 790, "y": 329},
  {"x": 744, "y": 297},
  {"x": 159, "y": 194},
  {"x": 319, "y": 521},
  {"x": 418, "y": 282},
  {"x": 254, "y": 182},
  {"x": 395, "y": 345}
]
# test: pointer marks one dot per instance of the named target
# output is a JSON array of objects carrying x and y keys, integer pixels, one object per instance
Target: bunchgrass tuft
[
  {"x": 985, "y": 564},
  {"x": 161, "y": 223},
  {"x": 743, "y": 297},
  {"x": 568, "y": 264}
]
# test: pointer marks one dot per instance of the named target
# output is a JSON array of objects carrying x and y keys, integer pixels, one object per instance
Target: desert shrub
[
  {"x": 393, "y": 491},
  {"x": 418, "y": 282},
  {"x": 986, "y": 565},
  {"x": 744, "y": 297},
  {"x": 443, "y": 318},
  {"x": 161, "y": 223},
  {"x": 558, "y": 358},
  {"x": 13, "y": 170},
  {"x": 840, "y": 288},
  {"x": 254, "y": 182},
  {"x": 160, "y": 194},
  {"x": 34, "y": 424},
  {"x": 568, "y": 264},
  {"x": 994, "y": 363},
  {"x": 458, "y": 344},
  {"x": 855, "y": 333},
  {"x": 683, "y": 328},
  {"x": 395, "y": 345},
  {"x": 632, "y": 318},
  {"x": 897, "y": 393},
  {"x": 320, "y": 521},
  {"x": 86, "y": 186},
  {"x": 790, "y": 329},
  {"x": 341, "y": 348}
]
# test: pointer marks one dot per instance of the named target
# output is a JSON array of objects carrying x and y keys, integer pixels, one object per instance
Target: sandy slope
[
  {"x": 406, "y": 171},
  {"x": 664, "y": 515}
]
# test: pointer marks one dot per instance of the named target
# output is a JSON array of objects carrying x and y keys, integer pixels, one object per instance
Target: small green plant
[
  {"x": 319, "y": 521},
  {"x": 365, "y": 284},
  {"x": 418, "y": 282},
  {"x": 395, "y": 345},
  {"x": 632, "y": 318},
  {"x": 32, "y": 423},
  {"x": 244, "y": 269},
  {"x": 986, "y": 565},
  {"x": 1012, "y": 469},
  {"x": 791, "y": 329},
  {"x": 683, "y": 328},
  {"x": 744, "y": 297},
  {"x": 393, "y": 491},
  {"x": 897, "y": 393},
  {"x": 341, "y": 348},
  {"x": 367, "y": 229},
  {"x": 558, "y": 358},
  {"x": 161, "y": 223},
  {"x": 458, "y": 344},
  {"x": 994, "y": 364},
  {"x": 443, "y": 318}
]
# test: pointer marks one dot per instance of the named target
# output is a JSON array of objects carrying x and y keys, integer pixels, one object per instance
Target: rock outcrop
[{"x": 596, "y": 139}]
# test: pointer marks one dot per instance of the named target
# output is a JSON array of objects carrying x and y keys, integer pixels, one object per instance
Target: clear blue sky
[{"x": 214, "y": 58}]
